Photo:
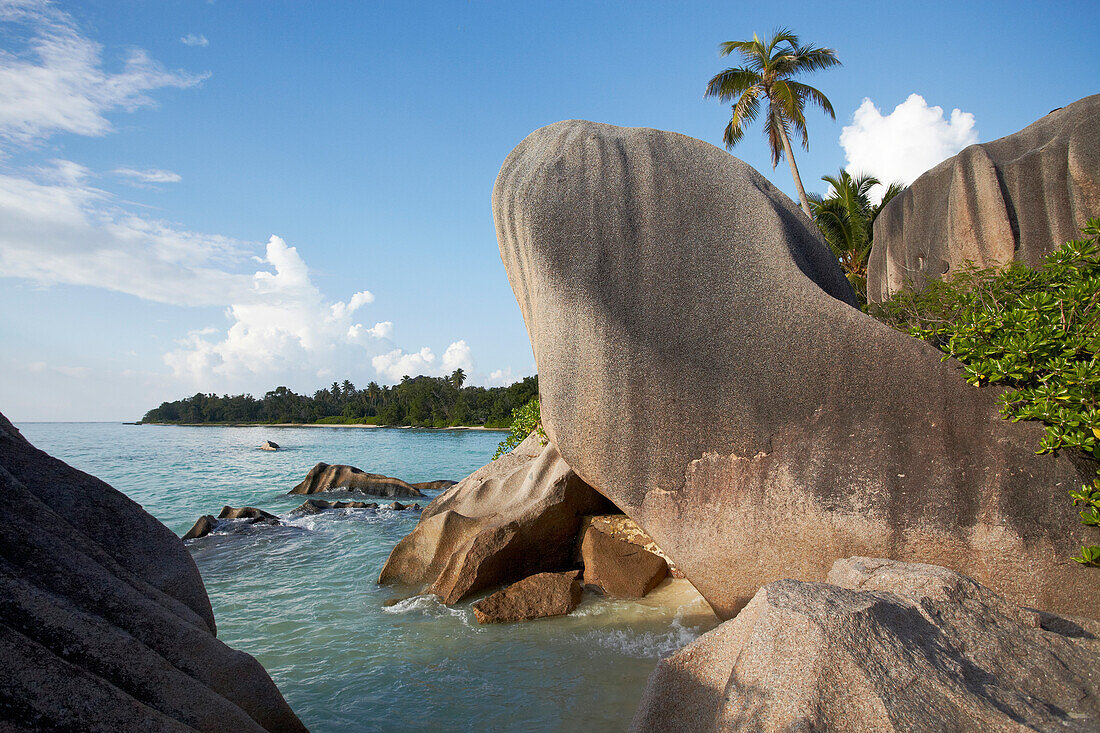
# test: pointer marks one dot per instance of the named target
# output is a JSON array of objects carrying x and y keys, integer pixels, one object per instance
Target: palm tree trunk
[{"x": 794, "y": 174}]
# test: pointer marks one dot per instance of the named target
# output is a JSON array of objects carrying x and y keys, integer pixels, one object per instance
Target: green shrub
[
  {"x": 1035, "y": 332},
  {"x": 525, "y": 420}
]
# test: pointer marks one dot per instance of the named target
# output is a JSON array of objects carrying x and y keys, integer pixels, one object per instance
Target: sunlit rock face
[
  {"x": 1016, "y": 198},
  {"x": 702, "y": 365}
]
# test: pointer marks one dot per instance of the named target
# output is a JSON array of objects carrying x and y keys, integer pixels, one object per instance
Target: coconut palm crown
[{"x": 767, "y": 73}]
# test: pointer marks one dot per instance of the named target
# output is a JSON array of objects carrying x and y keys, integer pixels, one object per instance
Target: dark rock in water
[
  {"x": 1016, "y": 198},
  {"x": 104, "y": 620},
  {"x": 396, "y": 506},
  {"x": 440, "y": 485},
  {"x": 248, "y": 512},
  {"x": 701, "y": 364},
  {"x": 536, "y": 596},
  {"x": 269, "y": 445},
  {"x": 324, "y": 477},
  {"x": 316, "y": 506},
  {"x": 204, "y": 526},
  {"x": 516, "y": 516},
  {"x": 885, "y": 646},
  {"x": 620, "y": 568}
]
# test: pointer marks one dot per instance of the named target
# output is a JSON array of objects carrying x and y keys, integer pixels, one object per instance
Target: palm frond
[
  {"x": 815, "y": 96},
  {"x": 781, "y": 35},
  {"x": 790, "y": 103},
  {"x": 731, "y": 82},
  {"x": 742, "y": 114},
  {"x": 775, "y": 126},
  {"x": 812, "y": 58}
]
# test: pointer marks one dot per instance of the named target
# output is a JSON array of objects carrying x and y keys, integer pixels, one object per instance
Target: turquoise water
[{"x": 302, "y": 598}]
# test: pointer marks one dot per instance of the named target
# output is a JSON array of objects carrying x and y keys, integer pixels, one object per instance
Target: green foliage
[
  {"x": 525, "y": 420},
  {"x": 1035, "y": 332},
  {"x": 846, "y": 218}
]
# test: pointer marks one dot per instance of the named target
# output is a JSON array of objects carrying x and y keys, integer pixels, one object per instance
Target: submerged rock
[
  {"x": 536, "y": 596},
  {"x": 316, "y": 506},
  {"x": 207, "y": 523},
  {"x": 888, "y": 646},
  {"x": 1016, "y": 198},
  {"x": 701, "y": 363},
  {"x": 619, "y": 568},
  {"x": 104, "y": 620},
  {"x": 324, "y": 477},
  {"x": 204, "y": 526},
  {"x": 516, "y": 516},
  {"x": 269, "y": 445}
]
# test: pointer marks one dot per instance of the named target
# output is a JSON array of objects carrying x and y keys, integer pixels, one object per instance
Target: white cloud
[
  {"x": 56, "y": 82},
  {"x": 905, "y": 143},
  {"x": 382, "y": 330},
  {"x": 458, "y": 356},
  {"x": 39, "y": 367},
  {"x": 339, "y": 310},
  {"x": 192, "y": 39},
  {"x": 149, "y": 175},
  {"x": 501, "y": 378},
  {"x": 396, "y": 364}
]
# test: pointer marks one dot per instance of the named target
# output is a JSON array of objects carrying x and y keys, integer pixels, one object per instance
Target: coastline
[{"x": 313, "y": 425}]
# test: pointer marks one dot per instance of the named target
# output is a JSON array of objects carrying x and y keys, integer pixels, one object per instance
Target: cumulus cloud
[
  {"x": 192, "y": 39},
  {"x": 501, "y": 378},
  {"x": 396, "y": 364},
  {"x": 905, "y": 143},
  {"x": 55, "y": 81},
  {"x": 381, "y": 330},
  {"x": 149, "y": 175}
]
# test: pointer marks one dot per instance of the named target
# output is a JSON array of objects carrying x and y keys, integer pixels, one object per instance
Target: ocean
[{"x": 303, "y": 599}]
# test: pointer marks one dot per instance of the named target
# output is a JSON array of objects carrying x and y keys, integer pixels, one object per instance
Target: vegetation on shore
[
  {"x": 433, "y": 402},
  {"x": 525, "y": 420},
  {"x": 1035, "y": 332}
]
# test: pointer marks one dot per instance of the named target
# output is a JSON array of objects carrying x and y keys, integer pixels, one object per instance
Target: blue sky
[{"x": 149, "y": 152}]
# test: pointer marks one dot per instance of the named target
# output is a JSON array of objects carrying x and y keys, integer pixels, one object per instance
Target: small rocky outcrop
[
  {"x": 104, "y": 620},
  {"x": 324, "y": 477},
  {"x": 619, "y": 568},
  {"x": 702, "y": 365},
  {"x": 516, "y": 516},
  {"x": 884, "y": 646},
  {"x": 536, "y": 596},
  {"x": 437, "y": 485},
  {"x": 269, "y": 445},
  {"x": 207, "y": 523},
  {"x": 1016, "y": 198},
  {"x": 317, "y": 506},
  {"x": 202, "y": 527}
]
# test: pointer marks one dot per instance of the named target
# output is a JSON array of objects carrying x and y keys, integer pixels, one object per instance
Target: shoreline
[{"x": 315, "y": 425}]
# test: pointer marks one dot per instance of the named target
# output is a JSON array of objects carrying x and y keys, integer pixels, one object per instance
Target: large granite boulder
[
  {"x": 702, "y": 365},
  {"x": 514, "y": 517},
  {"x": 537, "y": 596},
  {"x": 104, "y": 621},
  {"x": 618, "y": 567},
  {"x": 890, "y": 647},
  {"x": 1016, "y": 198},
  {"x": 324, "y": 477}
]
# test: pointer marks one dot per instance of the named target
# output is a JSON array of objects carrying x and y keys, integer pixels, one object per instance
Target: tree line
[{"x": 416, "y": 401}]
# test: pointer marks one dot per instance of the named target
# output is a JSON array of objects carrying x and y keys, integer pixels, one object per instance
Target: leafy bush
[
  {"x": 1035, "y": 332},
  {"x": 525, "y": 420}
]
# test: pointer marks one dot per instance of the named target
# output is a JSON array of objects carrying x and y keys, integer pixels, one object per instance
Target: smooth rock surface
[
  {"x": 324, "y": 477},
  {"x": 1016, "y": 198},
  {"x": 701, "y": 364},
  {"x": 104, "y": 621},
  {"x": 624, "y": 528},
  {"x": 203, "y": 526},
  {"x": 888, "y": 646},
  {"x": 248, "y": 512},
  {"x": 536, "y": 596},
  {"x": 514, "y": 517},
  {"x": 437, "y": 485},
  {"x": 619, "y": 568}
]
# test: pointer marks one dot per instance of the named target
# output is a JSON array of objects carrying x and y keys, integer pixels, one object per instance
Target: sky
[{"x": 216, "y": 196}]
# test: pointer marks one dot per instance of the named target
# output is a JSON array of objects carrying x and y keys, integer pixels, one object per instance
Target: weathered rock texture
[
  {"x": 1016, "y": 198},
  {"x": 514, "y": 517},
  {"x": 437, "y": 485},
  {"x": 619, "y": 568},
  {"x": 536, "y": 596},
  {"x": 324, "y": 477},
  {"x": 890, "y": 647},
  {"x": 623, "y": 528},
  {"x": 104, "y": 621},
  {"x": 700, "y": 363}
]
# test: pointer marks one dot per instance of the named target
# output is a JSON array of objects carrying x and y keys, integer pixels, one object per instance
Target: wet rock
[
  {"x": 324, "y": 477},
  {"x": 619, "y": 568},
  {"x": 1016, "y": 198},
  {"x": 702, "y": 365},
  {"x": 514, "y": 517},
  {"x": 104, "y": 620},
  {"x": 886, "y": 646},
  {"x": 250, "y": 513},
  {"x": 204, "y": 526},
  {"x": 316, "y": 506},
  {"x": 536, "y": 596},
  {"x": 269, "y": 445},
  {"x": 439, "y": 485}
]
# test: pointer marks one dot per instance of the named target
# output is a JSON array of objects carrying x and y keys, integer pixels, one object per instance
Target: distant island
[{"x": 429, "y": 402}]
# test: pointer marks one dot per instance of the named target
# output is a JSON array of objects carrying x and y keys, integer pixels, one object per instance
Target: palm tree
[
  {"x": 846, "y": 218},
  {"x": 767, "y": 73}
]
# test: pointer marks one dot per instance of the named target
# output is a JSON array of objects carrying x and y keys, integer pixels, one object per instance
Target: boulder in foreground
[
  {"x": 536, "y": 596},
  {"x": 702, "y": 365},
  {"x": 104, "y": 621},
  {"x": 514, "y": 517},
  {"x": 885, "y": 646},
  {"x": 324, "y": 477},
  {"x": 619, "y": 568},
  {"x": 1016, "y": 198}
]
